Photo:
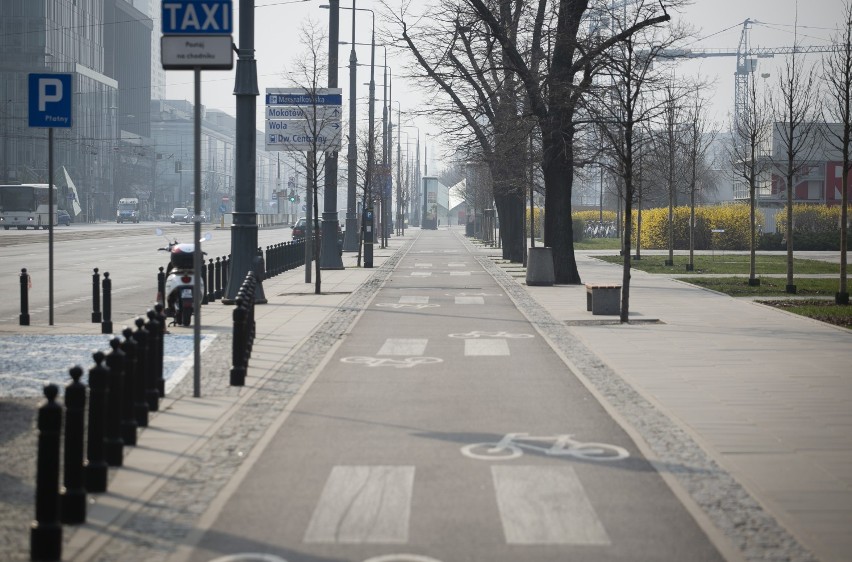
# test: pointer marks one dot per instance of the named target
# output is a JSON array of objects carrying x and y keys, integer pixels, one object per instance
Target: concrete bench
[{"x": 603, "y": 299}]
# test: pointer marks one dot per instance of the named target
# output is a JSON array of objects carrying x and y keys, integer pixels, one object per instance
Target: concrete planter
[{"x": 540, "y": 267}]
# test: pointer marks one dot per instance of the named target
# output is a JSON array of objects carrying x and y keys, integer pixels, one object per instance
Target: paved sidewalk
[{"x": 745, "y": 408}]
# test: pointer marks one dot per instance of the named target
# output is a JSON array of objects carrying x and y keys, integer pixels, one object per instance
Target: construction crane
[{"x": 747, "y": 57}]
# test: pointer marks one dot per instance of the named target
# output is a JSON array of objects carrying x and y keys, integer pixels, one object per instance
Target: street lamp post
[
  {"x": 330, "y": 258},
  {"x": 350, "y": 240}
]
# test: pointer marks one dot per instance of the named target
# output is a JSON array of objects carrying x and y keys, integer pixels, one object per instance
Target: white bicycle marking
[
  {"x": 405, "y": 363},
  {"x": 405, "y": 305},
  {"x": 480, "y": 334},
  {"x": 512, "y": 444}
]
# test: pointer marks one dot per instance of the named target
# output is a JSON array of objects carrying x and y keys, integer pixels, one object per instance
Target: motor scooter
[{"x": 180, "y": 281}]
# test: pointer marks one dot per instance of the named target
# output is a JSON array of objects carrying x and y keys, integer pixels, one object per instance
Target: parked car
[
  {"x": 62, "y": 217},
  {"x": 301, "y": 224},
  {"x": 179, "y": 214},
  {"x": 191, "y": 217}
]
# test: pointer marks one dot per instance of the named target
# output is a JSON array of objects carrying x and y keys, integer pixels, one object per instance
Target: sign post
[
  {"x": 197, "y": 35},
  {"x": 50, "y": 103}
]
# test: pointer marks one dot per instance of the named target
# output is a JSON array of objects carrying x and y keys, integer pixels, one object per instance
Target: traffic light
[{"x": 292, "y": 197}]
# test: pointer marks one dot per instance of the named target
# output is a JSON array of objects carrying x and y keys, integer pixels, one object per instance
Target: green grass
[
  {"x": 769, "y": 286},
  {"x": 598, "y": 244},
  {"x": 727, "y": 264},
  {"x": 824, "y": 311}
]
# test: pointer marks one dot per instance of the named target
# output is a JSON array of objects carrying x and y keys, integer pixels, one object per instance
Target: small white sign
[{"x": 207, "y": 52}]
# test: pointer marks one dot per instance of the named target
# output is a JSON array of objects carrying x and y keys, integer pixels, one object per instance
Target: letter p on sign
[{"x": 50, "y": 100}]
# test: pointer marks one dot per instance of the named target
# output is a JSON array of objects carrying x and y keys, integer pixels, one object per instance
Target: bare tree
[
  {"x": 751, "y": 135},
  {"x": 625, "y": 107},
  {"x": 309, "y": 72},
  {"x": 794, "y": 113},
  {"x": 698, "y": 141},
  {"x": 837, "y": 78}
]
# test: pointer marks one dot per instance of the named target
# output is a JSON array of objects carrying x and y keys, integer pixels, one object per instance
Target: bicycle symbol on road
[
  {"x": 479, "y": 334},
  {"x": 405, "y": 363},
  {"x": 512, "y": 444}
]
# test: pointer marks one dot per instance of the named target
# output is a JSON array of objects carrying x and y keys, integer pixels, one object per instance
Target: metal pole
[
  {"x": 371, "y": 148},
  {"x": 50, "y": 203},
  {"x": 330, "y": 257},
  {"x": 196, "y": 263},
  {"x": 244, "y": 227},
  {"x": 350, "y": 241}
]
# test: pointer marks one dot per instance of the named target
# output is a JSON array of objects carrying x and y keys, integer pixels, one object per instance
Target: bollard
[
  {"x": 129, "y": 411},
  {"x": 203, "y": 280},
  {"x": 46, "y": 531},
  {"x": 154, "y": 372},
  {"x": 211, "y": 290},
  {"x": 113, "y": 441},
  {"x": 218, "y": 270},
  {"x": 161, "y": 353},
  {"x": 226, "y": 266},
  {"x": 96, "y": 466},
  {"x": 96, "y": 297},
  {"x": 24, "y": 319},
  {"x": 238, "y": 354},
  {"x": 161, "y": 287},
  {"x": 106, "y": 325},
  {"x": 73, "y": 495},
  {"x": 146, "y": 342}
]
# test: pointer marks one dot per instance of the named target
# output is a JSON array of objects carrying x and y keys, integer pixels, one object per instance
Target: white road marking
[
  {"x": 545, "y": 505},
  {"x": 460, "y": 273},
  {"x": 485, "y": 347},
  {"x": 402, "y": 346},
  {"x": 422, "y": 265},
  {"x": 456, "y": 264},
  {"x": 470, "y": 300},
  {"x": 421, "y": 273},
  {"x": 406, "y": 363},
  {"x": 363, "y": 504},
  {"x": 413, "y": 299}
]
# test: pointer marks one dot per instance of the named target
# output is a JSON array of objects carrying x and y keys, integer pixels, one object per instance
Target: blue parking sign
[{"x": 50, "y": 97}]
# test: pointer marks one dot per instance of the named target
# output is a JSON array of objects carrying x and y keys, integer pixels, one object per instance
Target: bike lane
[{"x": 445, "y": 428}]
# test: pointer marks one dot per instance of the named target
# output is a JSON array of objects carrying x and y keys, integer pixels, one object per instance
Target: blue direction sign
[
  {"x": 197, "y": 17},
  {"x": 50, "y": 97},
  {"x": 304, "y": 99}
]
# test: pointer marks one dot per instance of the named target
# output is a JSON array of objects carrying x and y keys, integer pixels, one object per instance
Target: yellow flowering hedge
[
  {"x": 733, "y": 219},
  {"x": 810, "y": 218}
]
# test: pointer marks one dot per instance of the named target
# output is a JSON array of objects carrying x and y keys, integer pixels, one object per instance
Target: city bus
[{"x": 26, "y": 205}]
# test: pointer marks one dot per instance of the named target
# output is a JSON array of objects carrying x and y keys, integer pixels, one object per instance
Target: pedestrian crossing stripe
[
  {"x": 459, "y": 273},
  {"x": 413, "y": 299},
  {"x": 421, "y": 273},
  {"x": 403, "y": 347},
  {"x": 470, "y": 300},
  {"x": 485, "y": 347},
  {"x": 363, "y": 504}
]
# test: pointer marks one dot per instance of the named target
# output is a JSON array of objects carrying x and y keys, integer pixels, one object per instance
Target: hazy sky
[{"x": 719, "y": 23}]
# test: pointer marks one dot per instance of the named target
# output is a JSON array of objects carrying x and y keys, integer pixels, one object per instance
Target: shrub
[
  {"x": 732, "y": 219},
  {"x": 811, "y": 218}
]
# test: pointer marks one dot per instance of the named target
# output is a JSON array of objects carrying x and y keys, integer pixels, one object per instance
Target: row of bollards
[
  {"x": 124, "y": 385},
  {"x": 284, "y": 256},
  {"x": 102, "y": 315},
  {"x": 244, "y": 329}
]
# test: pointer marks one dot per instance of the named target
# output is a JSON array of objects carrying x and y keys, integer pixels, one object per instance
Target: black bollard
[
  {"x": 96, "y": 297},
  {"x": 96, "y": 466},
  {"x": 218, "y": 270},
  {"x": 161, "y": 287},
  {"x": 73, "y": 495},
  {"x": 161, "y": 320},
  {"x": 211, "y": 283},
  {"x": 238, "y": 352},
  {"x": 154, "y": 345},
  {"x": 226, "y": 266},
  {"x": 146, "y": 341},
  {"x": 131, "y": 410},
  {"x": 113, "y": 441},
  {"x": 203, "y": 281},
  {"x": 106, "y": 325},
  {"x": 24, "y": 318},
  {"x": 46, "y": 531}
]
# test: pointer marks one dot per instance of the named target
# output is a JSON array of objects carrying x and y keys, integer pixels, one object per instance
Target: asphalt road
[
  {"x": 127, "y": 251},
  {"x": 392, "y": 455}
]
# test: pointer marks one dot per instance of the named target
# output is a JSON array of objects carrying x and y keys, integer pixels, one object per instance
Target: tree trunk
[{"x": 557, "y": 166}]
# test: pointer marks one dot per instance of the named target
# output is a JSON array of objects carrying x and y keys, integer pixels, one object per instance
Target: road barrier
[
  {"x": 244, "y": 329},
  {"x": 124, "y": 385},
  {"x": 284, "y": 256},
  {"x": 106, "y": 325},
  {"x": 96, "y": 297},
  {"x": 24, "y": 318}
]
